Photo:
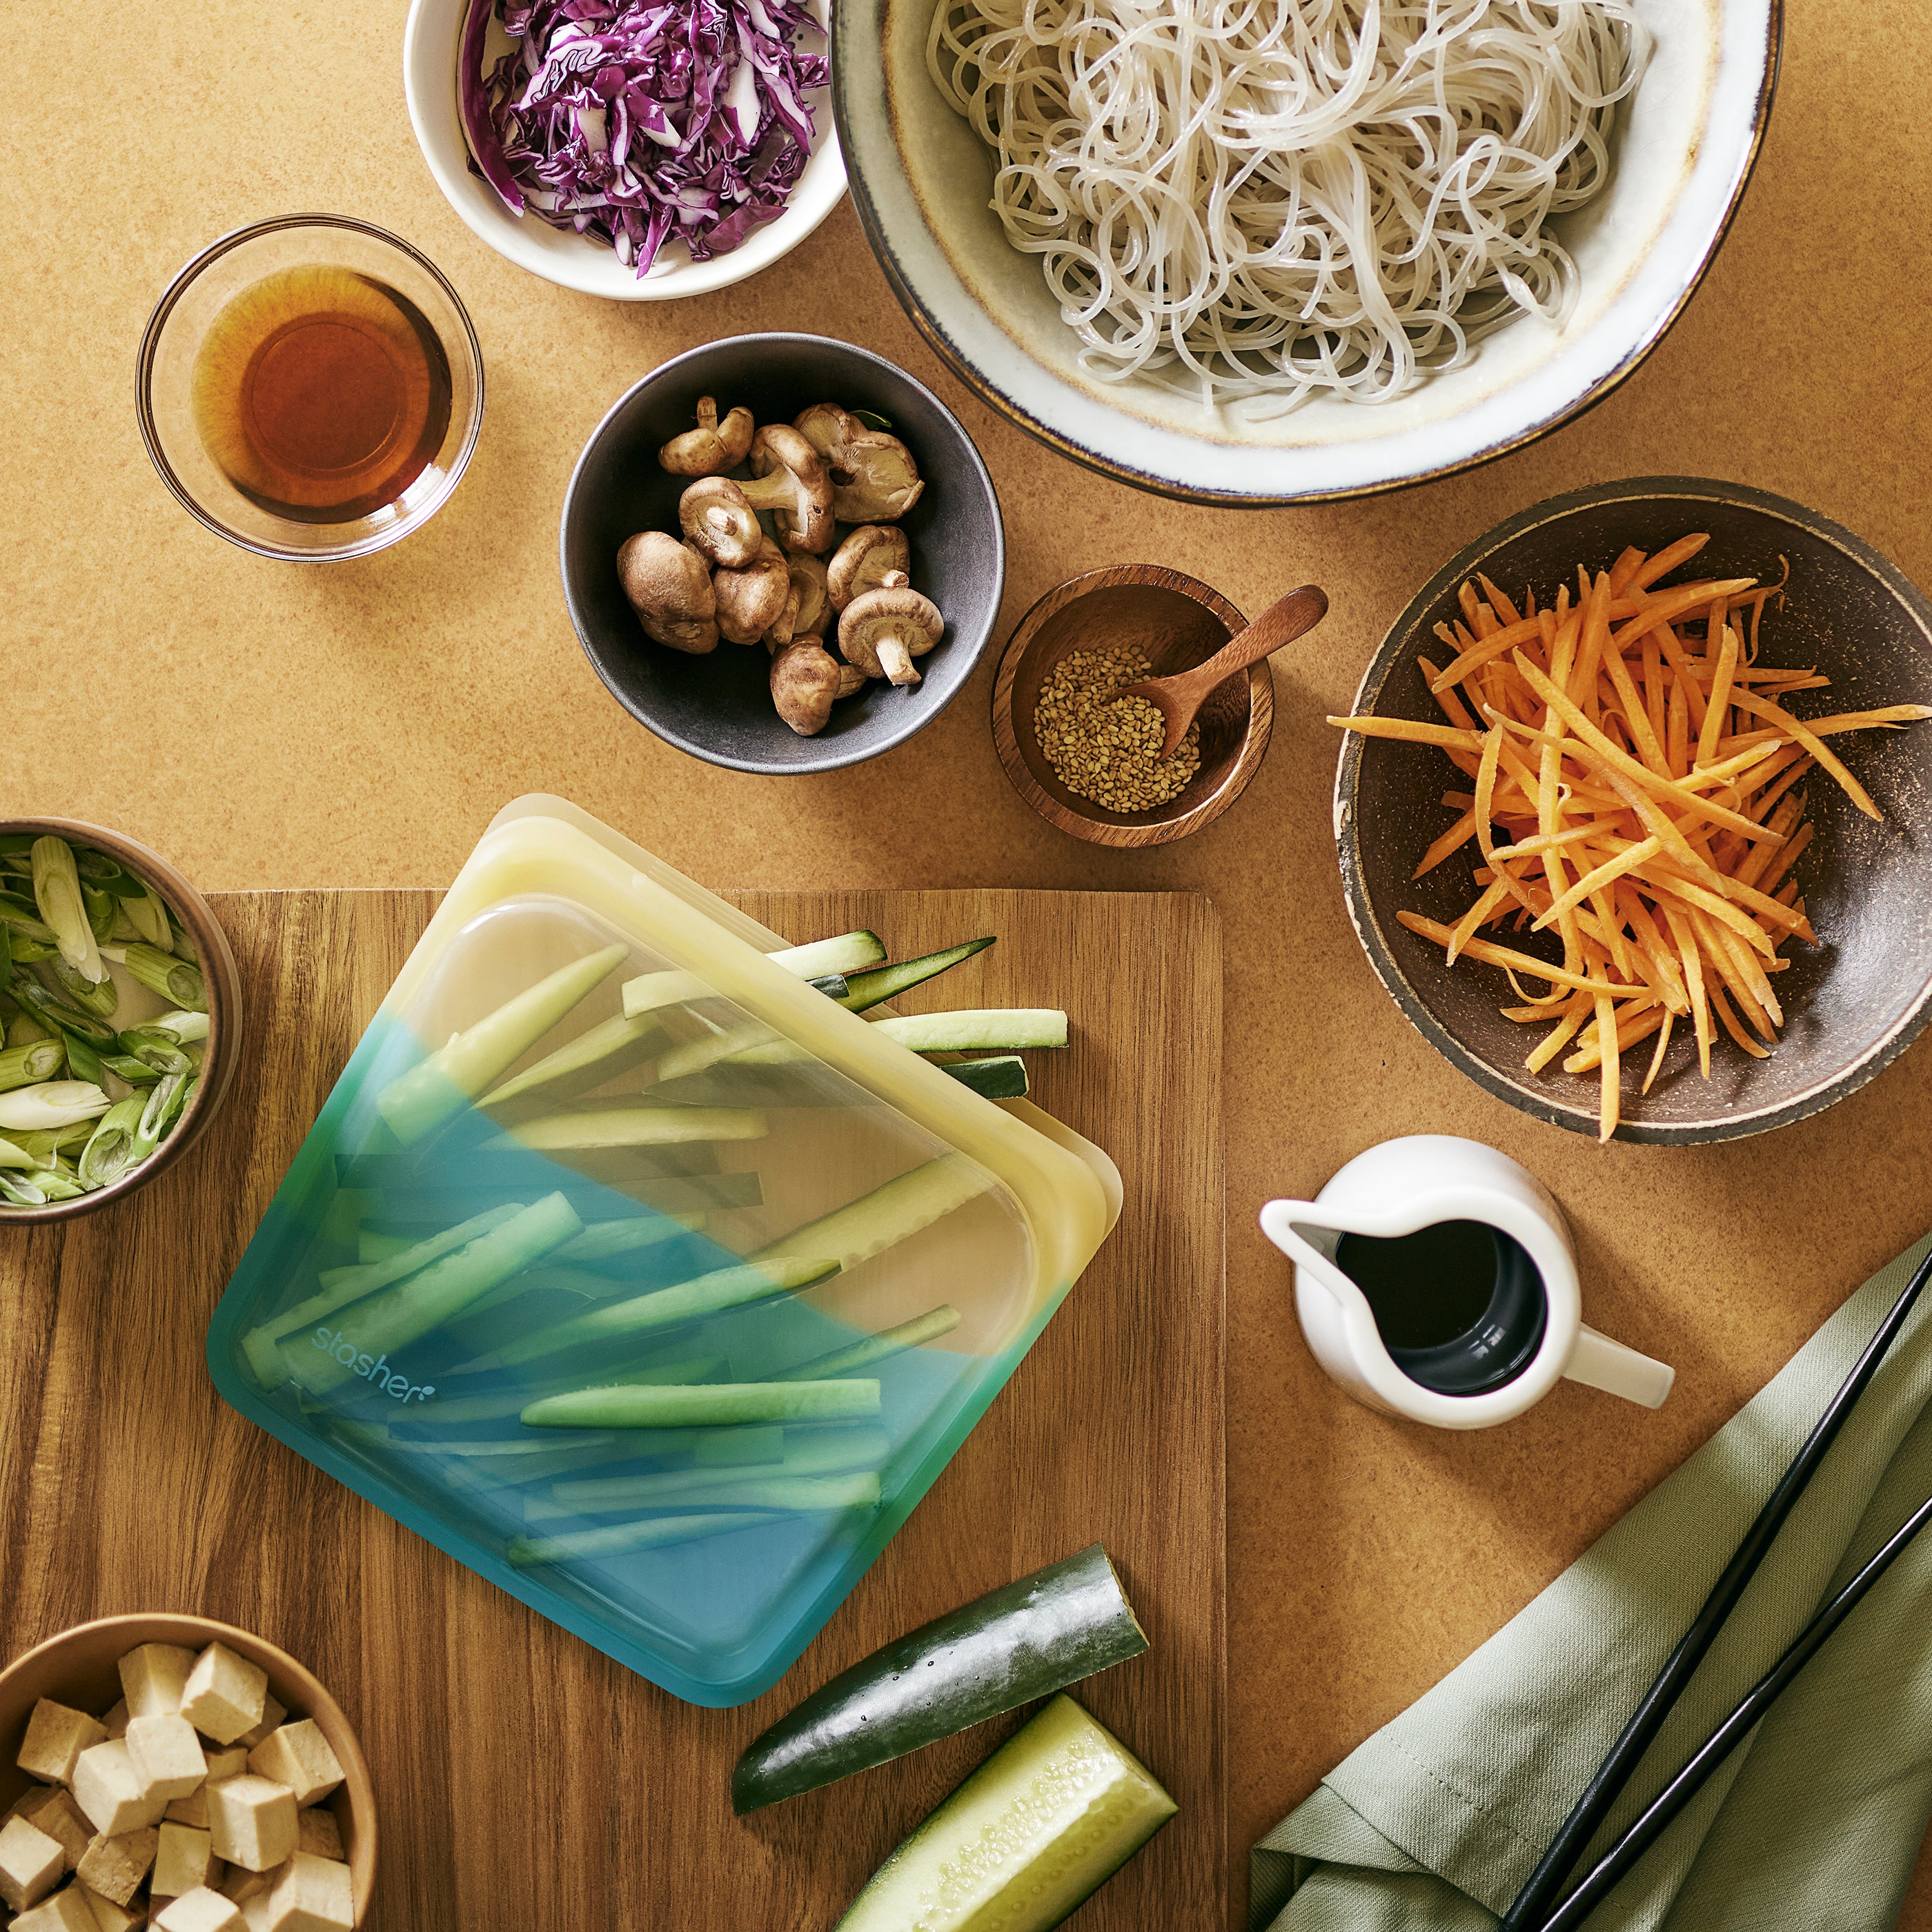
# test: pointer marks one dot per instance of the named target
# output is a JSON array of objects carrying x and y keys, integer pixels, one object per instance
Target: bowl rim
[
  {"x": 185, "y": 276},
  {"x": 1736, "y": 1125},
  {"x": 223, "y": 982},
  {"x": 857, "y": 754},
  {"x": 1122, "y": 831},
  {"x": 497, "y": 229},
  {"x": 847, "y": 24},
  {"x": 163, "y": 1624}
]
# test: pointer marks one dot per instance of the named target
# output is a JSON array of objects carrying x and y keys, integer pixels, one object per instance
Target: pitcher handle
[{"x": 1598, "y": 1363}]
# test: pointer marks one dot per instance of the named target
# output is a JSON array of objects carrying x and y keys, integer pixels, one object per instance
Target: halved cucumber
[
  {"x": 1039, "y": 1827},
  {"x": 849, "y": 953},
  {"x": 1024, "y": 1640},
  {"x": 1003, "y": 1032}
]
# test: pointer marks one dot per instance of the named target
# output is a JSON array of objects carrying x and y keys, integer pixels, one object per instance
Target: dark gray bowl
[
  {"x": 1853, "y": 1003},
  {"x": 719, "y": 707}
]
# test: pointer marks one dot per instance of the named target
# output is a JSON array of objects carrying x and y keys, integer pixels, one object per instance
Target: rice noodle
[{"x": 1261, "y": 201}]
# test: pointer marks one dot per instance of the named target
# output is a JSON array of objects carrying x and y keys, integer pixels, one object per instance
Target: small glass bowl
[{"x": 165, "y": 372}]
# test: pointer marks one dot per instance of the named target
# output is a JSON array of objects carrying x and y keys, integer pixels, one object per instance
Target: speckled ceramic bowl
[
  {"x": 922, "y": 180},
  {"x": 1854, "y": 1002}
]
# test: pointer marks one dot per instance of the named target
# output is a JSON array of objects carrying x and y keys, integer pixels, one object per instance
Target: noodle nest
[{"x": 1261, "y": 201}]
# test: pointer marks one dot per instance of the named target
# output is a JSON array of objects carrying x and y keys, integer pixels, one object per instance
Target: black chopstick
[
  {"x": 1655, "y": 1819},
  {"x": 1531, "y": 1905}
]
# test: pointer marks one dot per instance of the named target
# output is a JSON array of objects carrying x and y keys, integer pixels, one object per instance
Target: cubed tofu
[
  {"x": 167, "y": 1757},
  {"x": 67, "y": 1911},
  {"x": 230, "y": 1761},
  {"x": 192, "y": 1809},
  {"x": 115, "y": 1721},
  {"x": 184, "y": 1861},
  {"x": 240, "y": 1884},
  {"x": 54, "y": 1811},
  {"x": 56, "y": 1737},
  {"x": 258, "y": 1913},
  {"x": 313, "y": 1894},
  {"x": 200, "y": 1911},
  {"x": 154, "y": 1678},
  {"x": 299, "y": 1756},
  {"x": 31, "y": 1863},
  {"x": 253, "y": 1821},
  {"x": 115, "y": 1867},
  {"x": 317, "y": 1832},
  {"x": 227, "y": 1696},
  {"x": 110, "y": 1917},
  {"x": 108, "y": 1790},
  {"x": 272, "y": 1715}
]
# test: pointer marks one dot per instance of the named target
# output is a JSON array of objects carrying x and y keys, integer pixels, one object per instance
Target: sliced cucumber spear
[
  {"x": 407, "y": 1310},
  {"x": 709, "y": 1405},
  {"x": 431, "y": 1091},
  {"x": 633, "y": 1127},
  {"x": 1024, "y": 1640},
  {"x": 341, "y": 1286},
  {"x": 828, "y": 1453},
  {"x": 621, "y": 1538},
  {"x": 863, "y": 990},
  {"x": 606, "y": 1042},
  {"x": 889, "y": 1341},
  {"x": 708, "y": 1294},
  {"x": 961, "y": 1032},
  {"x": 651, "y": 992},
  {"x": 1004, "y": 1078},
  {"x": 1038, "y": 1828}
]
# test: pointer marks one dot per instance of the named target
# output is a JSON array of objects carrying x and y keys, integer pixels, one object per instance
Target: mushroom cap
[
  {"x": 828, "y": 428},
  {"x": 749, "y": 600},
  {"x": 851, "y": 680},
  {"x": 719, "y": 524},
  {"x": 874, "y": 479},
  {"x": 860, "y": 563},
  {"x": 667, "y": 584},
  {"x": 712, "y": 447},
  {"x": 804, "y": 681},
  {"x": 797, "y": 487},
  {"x": 895, "y": 614}
]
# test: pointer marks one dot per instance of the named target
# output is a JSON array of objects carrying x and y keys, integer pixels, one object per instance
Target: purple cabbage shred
[{"x": 635, "y": 123}]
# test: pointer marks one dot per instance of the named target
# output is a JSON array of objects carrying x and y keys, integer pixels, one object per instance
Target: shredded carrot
[{"x": 1633, "y": 780}]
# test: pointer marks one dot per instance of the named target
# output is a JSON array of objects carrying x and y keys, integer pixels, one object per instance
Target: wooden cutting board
[{"x": 525, "y": 1783}]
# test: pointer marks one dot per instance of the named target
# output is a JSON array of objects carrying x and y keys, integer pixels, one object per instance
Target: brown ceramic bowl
[
  {"x": 223, "y": 1049},
  {"x": 78, "y": 1669},
  {"x": 1178, "y": 622},
  {"x": 1854, "y": 1002}
]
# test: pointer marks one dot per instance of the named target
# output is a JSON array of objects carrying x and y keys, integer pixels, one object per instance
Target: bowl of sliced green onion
[{"x": 120, "y": 1007}]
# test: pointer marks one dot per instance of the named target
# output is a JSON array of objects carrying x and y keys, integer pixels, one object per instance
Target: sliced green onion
[
  {"x": 167, "y": 1102},
  {"x": 102, "y": 910},
  {"x": 53, "y": 1103},
  {"x": 23, "y": 916},
  {"x": 160, "y": 1050},
  {"x": 20, "y": 1192},
  {"x": 12, "y": 1155},
  {"x": 173, "y": 979},
  {"x": 47, "y": 1145},
  {"x": 125, "y": 930},
  {"x": 184, "y": 1026},
  {"x": 83, "y": 1063},
  {"x": 29, "y": 1064},
  {"x": 57, "y": 1014},
  {"x": 149, "y": 916},
  {"x": 98, "y": 868},
  {"x": 57, "y": 893},
  {"x": 99, "y": 999},
  {"x": 111, "y": 1151},
  {"x": 125, "y": 1066}
]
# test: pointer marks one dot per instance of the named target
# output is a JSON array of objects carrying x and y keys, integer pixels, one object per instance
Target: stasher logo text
[{"x": 376, "y": 1370}]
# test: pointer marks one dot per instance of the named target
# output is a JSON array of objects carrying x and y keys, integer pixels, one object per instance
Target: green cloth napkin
[{"x": 1814, "y": 1823}]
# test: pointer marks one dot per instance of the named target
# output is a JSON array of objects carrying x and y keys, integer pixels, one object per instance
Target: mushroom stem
[{"x": 895, "y": 661}]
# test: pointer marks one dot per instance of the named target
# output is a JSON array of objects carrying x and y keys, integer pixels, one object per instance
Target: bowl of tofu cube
[{"x": 173, "y": 1772}]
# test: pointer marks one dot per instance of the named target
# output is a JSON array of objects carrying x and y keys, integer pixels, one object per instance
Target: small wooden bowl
[
  {"x": 1176, "y": 621},
  {"x": 78, "y": 1669},
  {"x": 224, "y": 1011}
]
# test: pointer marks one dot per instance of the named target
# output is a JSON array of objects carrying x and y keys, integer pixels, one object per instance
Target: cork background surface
[{"x": 265, "y": 724}]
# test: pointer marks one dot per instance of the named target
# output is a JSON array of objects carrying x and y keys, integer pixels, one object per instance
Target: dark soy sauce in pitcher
[{"x": 1459, "y": 1306}]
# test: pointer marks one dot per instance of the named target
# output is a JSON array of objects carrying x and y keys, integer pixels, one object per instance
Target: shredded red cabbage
[{"x": 634, "y": 122}]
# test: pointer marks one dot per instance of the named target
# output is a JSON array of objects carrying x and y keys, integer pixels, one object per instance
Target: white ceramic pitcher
[{"x": 1400, "y": 1188}]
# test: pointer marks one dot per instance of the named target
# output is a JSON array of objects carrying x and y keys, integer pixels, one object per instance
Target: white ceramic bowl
[
  {"x": 430, "y": 39},
  {"x": 922, "y": 181}
]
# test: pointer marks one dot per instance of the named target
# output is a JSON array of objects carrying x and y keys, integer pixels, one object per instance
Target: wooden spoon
[{"x": 1178, "y": 698}]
